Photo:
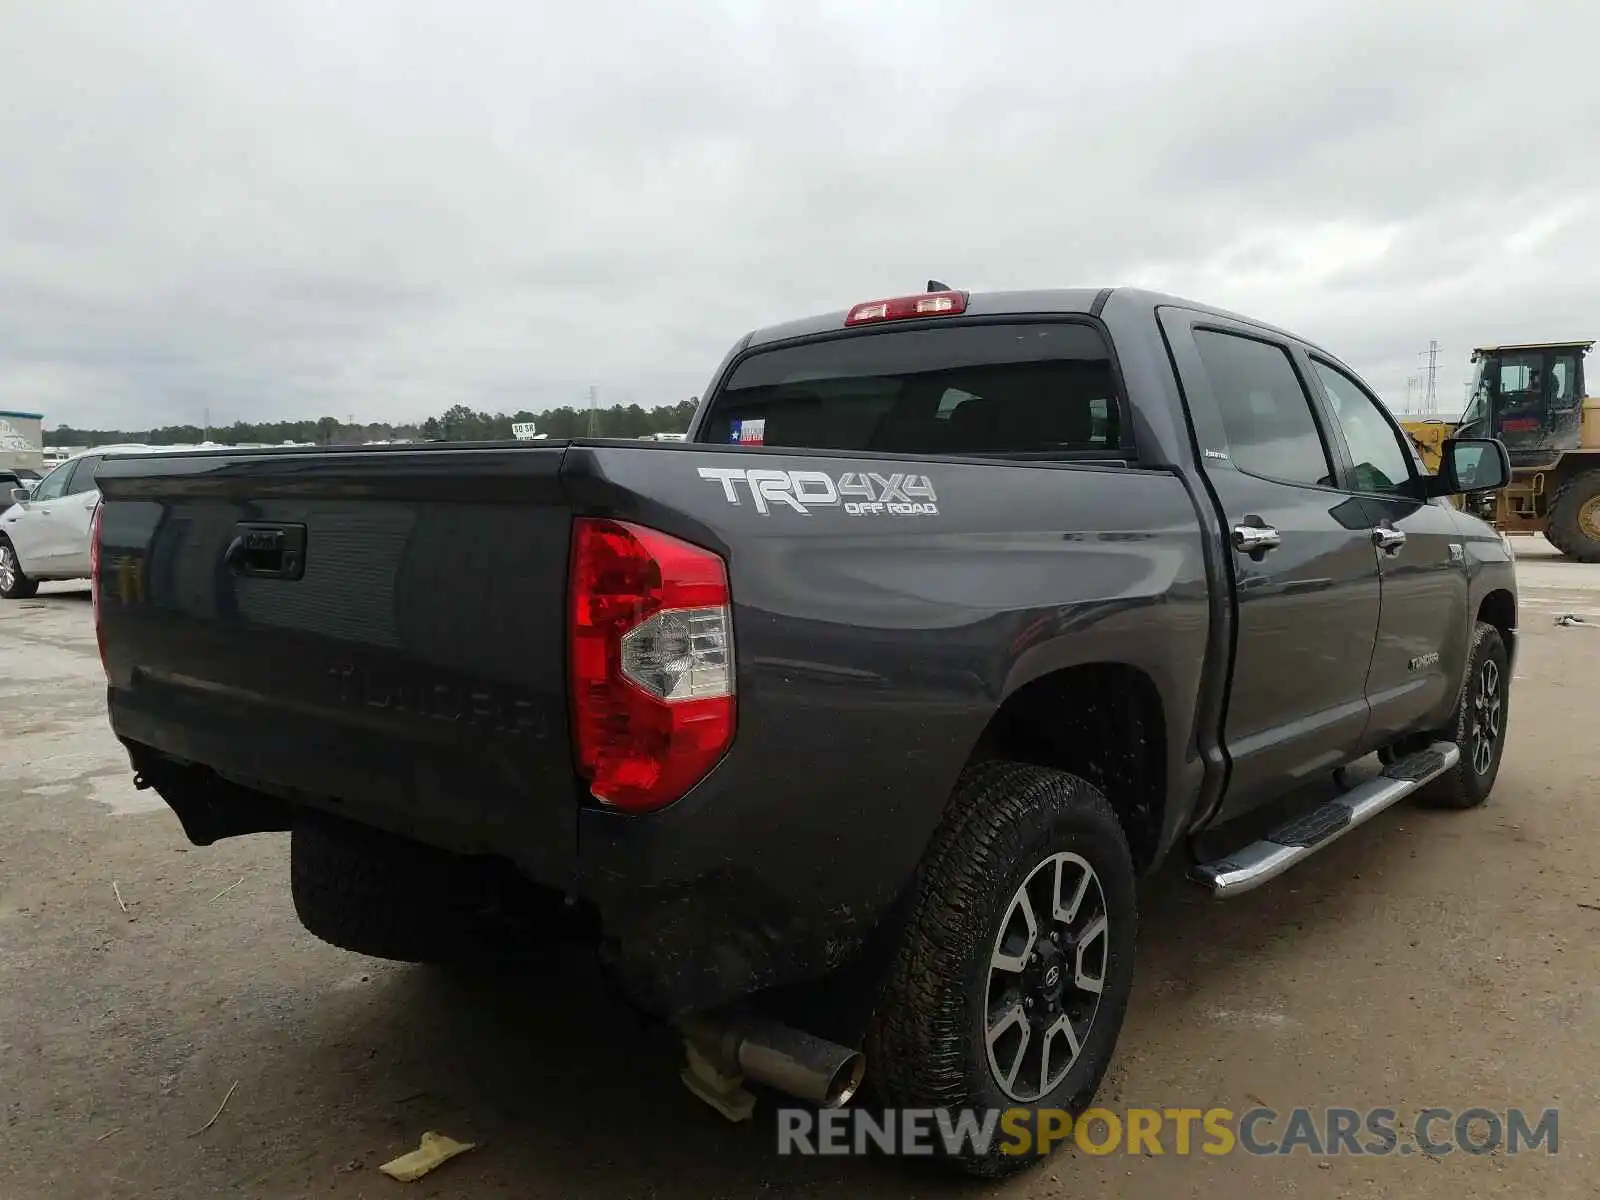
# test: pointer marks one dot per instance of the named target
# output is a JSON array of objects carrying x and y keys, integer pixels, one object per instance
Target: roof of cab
[
  {"x": 1585, "y": 346},
  {"x": 979, "y": 304},
  {"x": 1046, "y": 301},
  {"x": 135, "y": 448}
]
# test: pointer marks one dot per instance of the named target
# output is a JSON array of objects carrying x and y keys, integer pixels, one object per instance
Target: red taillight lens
[
  {"x": 651, "y": 662},
  {"x": 94, "y": 583},
  {"x": 927, "y": 304}
]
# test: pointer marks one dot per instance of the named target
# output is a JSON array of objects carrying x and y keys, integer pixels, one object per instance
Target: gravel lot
[{"x": 1427, "y": 959}]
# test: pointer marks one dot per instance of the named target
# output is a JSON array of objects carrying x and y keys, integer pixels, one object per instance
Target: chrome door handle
[
  {"x": 1255, "y": 539},
  {"x": 1388, "y": 540}
]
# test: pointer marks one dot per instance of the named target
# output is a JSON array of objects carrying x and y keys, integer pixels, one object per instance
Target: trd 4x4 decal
[{"x": 860, "y": 493}]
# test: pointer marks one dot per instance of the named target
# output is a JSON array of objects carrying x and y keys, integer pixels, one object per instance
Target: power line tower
[
  {"x": 594, "y": 397},
  {"x": 1430, "y": 403}
]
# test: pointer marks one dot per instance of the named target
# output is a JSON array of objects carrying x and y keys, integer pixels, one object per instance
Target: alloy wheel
[
  {"x": 1046, "y": 975},
  {"x": 1486, "y": 709}
]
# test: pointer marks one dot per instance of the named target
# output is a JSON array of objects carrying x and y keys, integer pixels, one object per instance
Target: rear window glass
[{"x": 1026, "y": 388}]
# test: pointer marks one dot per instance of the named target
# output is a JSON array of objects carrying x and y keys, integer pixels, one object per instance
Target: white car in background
[{"x": 45, "y": 533}]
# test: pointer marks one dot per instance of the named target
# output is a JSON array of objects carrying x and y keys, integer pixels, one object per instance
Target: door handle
[
  {"x": 1255, "y": 540},
  {"x": 267, "y": 551},
  {"x": 1388, "y": 540}
]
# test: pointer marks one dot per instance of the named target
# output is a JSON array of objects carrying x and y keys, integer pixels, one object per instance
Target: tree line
[{"x": 456, "y": 424}]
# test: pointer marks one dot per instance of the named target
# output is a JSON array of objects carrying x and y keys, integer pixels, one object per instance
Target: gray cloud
[{"x": 386, "y": 208}]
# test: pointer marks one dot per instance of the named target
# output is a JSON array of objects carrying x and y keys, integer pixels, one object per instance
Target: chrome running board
[{"x": 1302, "y": 837}]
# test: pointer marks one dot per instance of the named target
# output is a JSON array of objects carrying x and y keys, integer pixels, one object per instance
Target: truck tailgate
[{"x": 378, "y": 632}]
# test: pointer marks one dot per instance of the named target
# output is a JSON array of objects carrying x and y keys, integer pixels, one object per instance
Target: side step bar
[{"x": 1302, "y": 837}]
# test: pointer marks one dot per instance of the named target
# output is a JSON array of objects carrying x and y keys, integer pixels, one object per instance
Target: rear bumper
[
  {"x": 430, "y": 793},
  {"x": 735, "y": 889}
]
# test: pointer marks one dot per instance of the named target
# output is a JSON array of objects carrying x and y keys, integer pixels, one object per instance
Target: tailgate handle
[{"x": 267, "y": 551}]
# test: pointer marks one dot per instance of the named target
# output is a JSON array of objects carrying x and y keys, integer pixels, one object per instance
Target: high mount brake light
[
  {"x": 651, "y": 663},
  {"x": 902, "y": 308}
]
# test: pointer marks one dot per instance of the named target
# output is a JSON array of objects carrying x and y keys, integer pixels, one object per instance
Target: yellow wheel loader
[
  {"x": 1532, "y": 397},
  {"x": 1429, "y": 434}
]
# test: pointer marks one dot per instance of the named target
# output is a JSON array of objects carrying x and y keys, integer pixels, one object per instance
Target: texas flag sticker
[{"x": 751, "y": 432}]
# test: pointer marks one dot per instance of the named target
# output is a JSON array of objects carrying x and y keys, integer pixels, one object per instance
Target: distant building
[{"x": 22, "y": 440}]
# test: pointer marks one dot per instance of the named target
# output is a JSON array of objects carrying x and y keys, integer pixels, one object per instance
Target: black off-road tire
[
  {"x": 368, "y": 891},
  {"x": 927, "y": 1047},
  {"x": 1479, "y": 728},
  {"x": 21, "y": 587},
  {"x": 1564, "y": 526}
]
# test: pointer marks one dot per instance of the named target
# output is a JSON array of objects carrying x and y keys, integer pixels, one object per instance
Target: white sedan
[{"x": 45, "y": 533}]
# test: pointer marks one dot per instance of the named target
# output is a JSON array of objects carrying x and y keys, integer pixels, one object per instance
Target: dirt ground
[{"x": 1426, "y": 960}]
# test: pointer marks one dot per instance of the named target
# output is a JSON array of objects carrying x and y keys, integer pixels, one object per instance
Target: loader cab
[{"x": 1530, "y": 397}]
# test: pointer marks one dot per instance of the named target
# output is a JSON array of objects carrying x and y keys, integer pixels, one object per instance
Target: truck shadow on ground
[
  {"x": 560, "y": 1081},
  {"x": 55, "y": 595}
]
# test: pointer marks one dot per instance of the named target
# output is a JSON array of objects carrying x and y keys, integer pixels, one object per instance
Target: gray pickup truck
[{"x": 847, "y": 725}]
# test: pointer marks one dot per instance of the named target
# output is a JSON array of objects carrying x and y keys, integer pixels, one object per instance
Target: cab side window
[
  {"x": 1564, "y": 395},
  {"x": 1265, "y": 410},
  {"x": 83, "y": 477},
  {"x": 52, "y": 485},
  {"x": 1382, "y": 460}
]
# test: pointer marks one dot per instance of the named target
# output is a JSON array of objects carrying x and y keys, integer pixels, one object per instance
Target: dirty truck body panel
[
  {"x": 383, "y": 634},
  {"x": 866, "y": 678}
]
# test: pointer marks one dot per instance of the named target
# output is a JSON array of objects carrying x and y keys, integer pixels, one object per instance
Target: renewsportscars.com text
[{"x": 1321, "y": 1132}]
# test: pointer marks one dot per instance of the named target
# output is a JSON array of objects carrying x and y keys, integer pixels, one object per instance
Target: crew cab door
[
  {"x": 70, "y": 518},
  {"x": 33, "y": 527},
  {"x": 1303, "y": 568},
  {"x": 1423, "y": 631}
]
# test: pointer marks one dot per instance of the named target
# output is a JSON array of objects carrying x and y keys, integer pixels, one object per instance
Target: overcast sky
[{"x": 384, "y": 207}]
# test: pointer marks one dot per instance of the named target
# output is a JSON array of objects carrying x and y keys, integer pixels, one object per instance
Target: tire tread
[
  {"x": 918, "y": 1047},
  {"x": 1561, "y": 526},
  {"x": 377, "y": 894},
  {"x": 1459, "y": 787},
  {"x": 25, "y": 588}
]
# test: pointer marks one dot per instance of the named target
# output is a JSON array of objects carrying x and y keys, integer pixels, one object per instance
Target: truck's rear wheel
[
  {"x": 1480, "y": 726},
  {"x": 1573, "y": 526},
  {"x": 1011, "y": 984},
  {"x": 14, "y": 583},
  {"x": 368, "y": 891}
]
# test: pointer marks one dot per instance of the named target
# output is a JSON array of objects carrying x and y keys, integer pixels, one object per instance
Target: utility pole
[
  {"x": 594, "y": 396},
  {"x": 206, "y": 437}
]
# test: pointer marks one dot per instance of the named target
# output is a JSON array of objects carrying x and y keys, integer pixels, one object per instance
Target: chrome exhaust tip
[{"x": 781, "y": 1057}]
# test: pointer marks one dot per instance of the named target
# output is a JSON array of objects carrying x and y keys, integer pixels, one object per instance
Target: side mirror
[
  {"x": 1471, "y": 465},
  {"x": 21, "y": 495}
]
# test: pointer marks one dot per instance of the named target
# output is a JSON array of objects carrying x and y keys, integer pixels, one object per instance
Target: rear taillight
[
  {"x": 651, "y": 662},
  {"x": 902, "y": 308},
  {"x": 94, "y": 583}
]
